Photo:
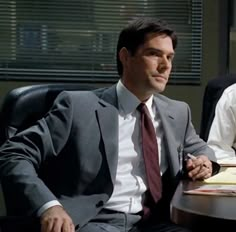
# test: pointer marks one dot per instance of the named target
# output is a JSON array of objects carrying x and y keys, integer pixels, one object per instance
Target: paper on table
[
  {"x": 221, "y": 184},
  {"x": 219, "y": 190},
  {"x": 227, "y": 162},
  {"x": 228, "y": 176}
]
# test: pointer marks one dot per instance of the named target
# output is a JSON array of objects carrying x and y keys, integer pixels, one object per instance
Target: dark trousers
[{"x": 112, "y": 221}]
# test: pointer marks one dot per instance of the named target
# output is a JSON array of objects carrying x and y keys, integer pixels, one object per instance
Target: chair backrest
[
  {"x": 22, "y": 106},
  {"x": 212, "y": 94}
]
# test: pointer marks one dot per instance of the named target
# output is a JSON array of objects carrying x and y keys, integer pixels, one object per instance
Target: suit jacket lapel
[
  {"x": 168, "y": 121},
  {"x": 108, "y": 121}
]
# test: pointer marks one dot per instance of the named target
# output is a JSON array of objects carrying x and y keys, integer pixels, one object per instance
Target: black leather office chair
[
  {"x": 212, "y": 94},
  {"x": 21, "y": 107},
  {"x": 24, "y": 105}
]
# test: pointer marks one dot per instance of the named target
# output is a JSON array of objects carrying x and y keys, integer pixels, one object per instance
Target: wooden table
[{"x": 196, "y": 211}]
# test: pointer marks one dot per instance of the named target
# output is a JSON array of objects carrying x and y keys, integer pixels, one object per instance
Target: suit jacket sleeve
[
  {"x": 196, "y": 146},
  {"x": 22, "y": 155}
]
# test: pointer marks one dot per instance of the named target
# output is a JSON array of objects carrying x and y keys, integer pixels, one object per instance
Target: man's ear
[{"x": 123, "y": 55}]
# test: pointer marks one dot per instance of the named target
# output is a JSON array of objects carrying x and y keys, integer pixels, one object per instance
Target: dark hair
[{"x": 134, "y": 34}]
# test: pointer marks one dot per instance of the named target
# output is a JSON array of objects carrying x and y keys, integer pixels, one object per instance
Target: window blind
[{"x": 75, "y": 40}]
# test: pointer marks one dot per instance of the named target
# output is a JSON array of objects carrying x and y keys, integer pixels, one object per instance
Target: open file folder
[
  {"x": 217, "y": 190},
  {"x": 228, "y": 176},
  {"x": 222, "y": 184},
  {"x": 227, "y": 162}
]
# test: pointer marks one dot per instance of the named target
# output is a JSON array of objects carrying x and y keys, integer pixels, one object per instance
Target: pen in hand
[{"x": 189, "y": 156}]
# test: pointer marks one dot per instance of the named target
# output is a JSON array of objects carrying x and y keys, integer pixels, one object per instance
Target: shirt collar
[
  {"x": 150, "y": 106},
  {"x": 128, "y": 102}
]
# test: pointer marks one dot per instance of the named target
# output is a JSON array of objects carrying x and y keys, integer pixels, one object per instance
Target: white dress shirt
[
  {"x": 131, "y": 180},
  {"x": 222, "y": 135}
]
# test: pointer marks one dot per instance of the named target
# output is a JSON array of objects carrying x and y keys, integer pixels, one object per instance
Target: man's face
[{"x": 148, "y": 70}]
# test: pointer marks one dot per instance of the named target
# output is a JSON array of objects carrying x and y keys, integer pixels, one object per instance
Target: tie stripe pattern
[{"x": 150, "y": 153}]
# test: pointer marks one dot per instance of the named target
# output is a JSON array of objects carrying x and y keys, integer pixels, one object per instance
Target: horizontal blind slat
[{"x": 81, "y": 36}]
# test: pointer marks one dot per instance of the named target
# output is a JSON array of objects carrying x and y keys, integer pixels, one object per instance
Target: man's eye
[
  {"x": 153, "y": 54},
  {"x": 170, "y": 58}
]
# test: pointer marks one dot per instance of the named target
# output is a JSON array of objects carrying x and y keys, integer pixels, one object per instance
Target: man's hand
[
  {"x": 199, "y": 167},
  {"x": 55, "y": 219}
]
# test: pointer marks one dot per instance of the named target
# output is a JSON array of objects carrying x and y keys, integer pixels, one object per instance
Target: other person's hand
[
  {"x": 199, "y": 167},
  {"x": 55, "y": 219}
]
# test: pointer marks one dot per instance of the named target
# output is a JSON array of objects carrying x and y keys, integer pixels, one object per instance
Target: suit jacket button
[{"x": 99, "y": 204}]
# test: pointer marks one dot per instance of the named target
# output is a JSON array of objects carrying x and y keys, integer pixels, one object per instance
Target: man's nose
[{"x": 164, "y": 64}]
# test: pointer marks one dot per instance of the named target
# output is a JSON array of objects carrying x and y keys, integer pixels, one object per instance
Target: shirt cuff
[{"x": 46, "y": 206}]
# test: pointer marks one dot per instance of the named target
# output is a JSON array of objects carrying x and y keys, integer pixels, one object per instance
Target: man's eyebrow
[{"x": 159, "y": 51}]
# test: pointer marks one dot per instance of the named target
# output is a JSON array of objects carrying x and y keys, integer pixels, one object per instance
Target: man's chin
[{"x": 160, "y": 87}]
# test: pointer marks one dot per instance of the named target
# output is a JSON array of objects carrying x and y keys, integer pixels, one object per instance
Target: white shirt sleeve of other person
[{"x": 222, "y": 136}]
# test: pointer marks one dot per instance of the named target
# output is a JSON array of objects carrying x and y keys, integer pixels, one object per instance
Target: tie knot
[{"x": 142, "y": 108}]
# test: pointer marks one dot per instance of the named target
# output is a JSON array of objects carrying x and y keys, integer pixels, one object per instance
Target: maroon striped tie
[{"x": 150, "y": 154}]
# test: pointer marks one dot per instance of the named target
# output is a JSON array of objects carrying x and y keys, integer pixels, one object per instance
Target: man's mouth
[{"x": 159, "y": 76}]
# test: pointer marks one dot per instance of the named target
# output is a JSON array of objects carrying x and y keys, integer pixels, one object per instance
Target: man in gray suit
[{"x": 81, "y": 166}]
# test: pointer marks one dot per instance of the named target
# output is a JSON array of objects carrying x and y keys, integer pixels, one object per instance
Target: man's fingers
[
  {"x": 55, "y": 219},
  {"x": 57, "y": 225},
  {"x": 46, "y": 225},
  {"x": 68, "y": 227},
  {"x": 199, "y": 168},
  {"x": 200, "y": 172}
]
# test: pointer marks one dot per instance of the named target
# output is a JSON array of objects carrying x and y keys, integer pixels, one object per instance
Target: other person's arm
[{"x": 222, "y": 134}]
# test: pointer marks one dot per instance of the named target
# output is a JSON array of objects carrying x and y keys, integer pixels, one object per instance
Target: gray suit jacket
[{"x": 71, "y": 154}]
